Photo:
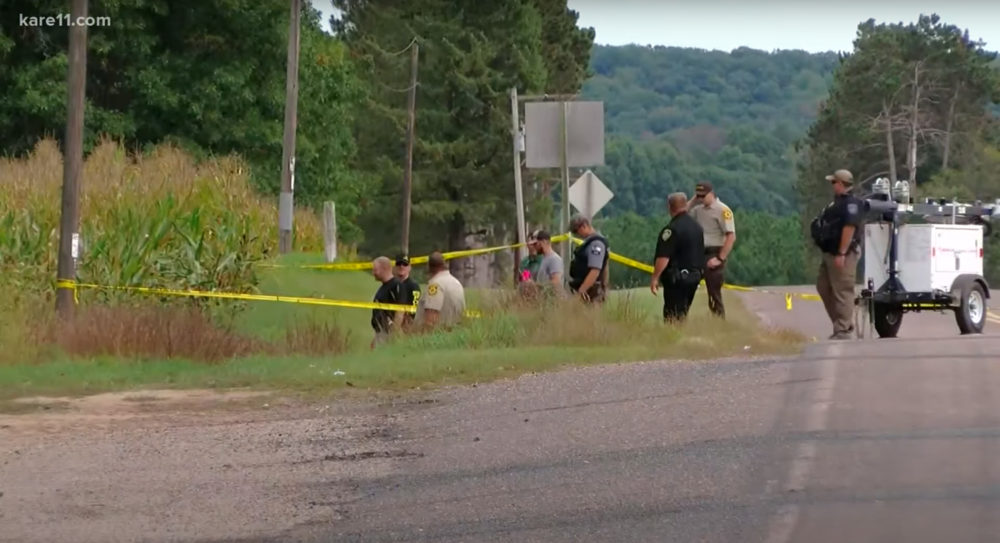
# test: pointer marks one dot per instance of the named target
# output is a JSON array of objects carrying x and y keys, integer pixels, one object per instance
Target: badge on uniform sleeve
[
  {"x": 432, "y": 290},
  {"x": 727, "y": 214},
  {"x": 595, "y": 249},
  {"x": 852, "y": 208},
  {"x": 666, "y": 234}
]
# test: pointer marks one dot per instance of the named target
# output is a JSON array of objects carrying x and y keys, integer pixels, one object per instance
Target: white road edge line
[{"x": 784, "y": 521}]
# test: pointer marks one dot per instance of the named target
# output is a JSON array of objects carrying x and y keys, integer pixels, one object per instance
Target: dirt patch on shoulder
[
  {"x": 163, "y": 465},
  {"x": 47, "y": 414}
]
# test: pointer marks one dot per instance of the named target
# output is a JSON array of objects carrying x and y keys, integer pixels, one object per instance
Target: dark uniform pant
[
  {"x": 836, "y": 287},
  {"x": 595, "y": 294},
  {"x": 677, "y": 298},
  {"x": 714, "y": 279}
]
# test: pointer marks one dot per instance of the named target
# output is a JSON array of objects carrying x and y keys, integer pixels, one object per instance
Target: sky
[{"x": 810, "y": 25}]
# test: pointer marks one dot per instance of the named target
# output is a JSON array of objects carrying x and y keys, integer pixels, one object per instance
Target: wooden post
[
  {"x": 411, "y": 111},
  {"x": 286, "y": 199},
  {"x": 329, "y": 231},
  {"x": 69, "y": 220}
]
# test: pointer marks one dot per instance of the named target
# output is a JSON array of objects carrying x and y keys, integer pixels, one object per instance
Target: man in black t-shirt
[
  {"x": 385, "y": 321},
  {"x": 679, "y": 261},
  {"x": 409, "y": 289}
]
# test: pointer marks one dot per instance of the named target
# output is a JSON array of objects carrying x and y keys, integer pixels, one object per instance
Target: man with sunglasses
[{"x": 837, "y": 232}]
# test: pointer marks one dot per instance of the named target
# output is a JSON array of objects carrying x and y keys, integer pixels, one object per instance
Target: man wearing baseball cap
[
  {"x": 409, "y": 289},
  {"x": 837, "y": 233},
  {"x": 717, "y": 223},
  {"x": 530, "y": 263}
]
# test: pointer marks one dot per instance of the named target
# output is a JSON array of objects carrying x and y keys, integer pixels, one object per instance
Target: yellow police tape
[
  {"x": 632, "y": 263},
  {"x": 359, "y": 266},
  {"x": 649, "y": 269},
  {"x": 75, "y": 287},
  {"x": 451, "y": 255}
]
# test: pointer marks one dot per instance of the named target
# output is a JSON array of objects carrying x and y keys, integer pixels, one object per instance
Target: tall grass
[
  {"x": 144, "y": 333},
  {"x": 158, "y": 219},
  {"x": 627, "y": 320}
]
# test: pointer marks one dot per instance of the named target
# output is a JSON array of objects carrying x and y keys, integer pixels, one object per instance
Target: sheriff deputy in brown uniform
[{"x": 716, "y": 220}]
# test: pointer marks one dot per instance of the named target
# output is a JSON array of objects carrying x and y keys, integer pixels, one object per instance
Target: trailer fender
[{"x": 962, "y": 280}]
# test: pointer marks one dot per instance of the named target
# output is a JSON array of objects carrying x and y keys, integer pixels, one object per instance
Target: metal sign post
[
  {"x": 564, "y": 135},
  {"x": 564, "y": 171},
  {"x": 515, "y": 133}
]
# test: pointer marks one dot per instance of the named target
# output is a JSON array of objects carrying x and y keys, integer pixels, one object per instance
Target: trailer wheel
[
  {"x": 971, "y": 311},
  {"x": 888, "y": 319}
]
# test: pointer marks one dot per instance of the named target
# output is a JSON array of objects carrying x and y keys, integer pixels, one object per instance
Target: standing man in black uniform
[
  {"x": 588, "y": 271},
  {"x": 679, "y": 261},
  {"x": 837, "y": 233}
]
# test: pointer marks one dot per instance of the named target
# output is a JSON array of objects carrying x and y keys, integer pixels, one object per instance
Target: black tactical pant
[
  {"x": 678, "y": 294},
  {"x": 595, "y": 294}
]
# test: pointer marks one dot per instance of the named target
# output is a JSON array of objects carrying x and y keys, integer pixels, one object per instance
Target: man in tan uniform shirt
[
  {"x": 444, "y": 302},
  {"x": 716, "y": 220}
]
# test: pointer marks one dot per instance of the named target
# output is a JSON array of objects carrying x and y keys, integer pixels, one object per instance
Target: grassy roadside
[{"x": 507, "y": 341}]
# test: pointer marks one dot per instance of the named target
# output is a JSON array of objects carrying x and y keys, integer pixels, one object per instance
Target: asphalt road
[
  {"x": 856, "y": 441},
  {"x": 872, "y": 440},
  {"x": 809, "y": 317}
]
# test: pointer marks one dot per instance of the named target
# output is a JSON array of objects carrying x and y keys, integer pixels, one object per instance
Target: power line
[
  {"x": 405, "y": 49},
  {"x": 393, "y": 89}
]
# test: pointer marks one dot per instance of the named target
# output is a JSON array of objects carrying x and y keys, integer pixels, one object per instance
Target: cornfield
[{"x": 156, "y": 220}]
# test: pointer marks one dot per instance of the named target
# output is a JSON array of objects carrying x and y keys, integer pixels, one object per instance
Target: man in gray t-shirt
[{"x": 550, "y": 270}]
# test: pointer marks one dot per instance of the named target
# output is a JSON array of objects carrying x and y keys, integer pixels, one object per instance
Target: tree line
[
  {"x": 913, "y": 102},
  {"x": 761, "y": 126}
]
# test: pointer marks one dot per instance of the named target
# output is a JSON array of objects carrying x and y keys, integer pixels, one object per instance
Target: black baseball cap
[{"x": 402, "y": 260}]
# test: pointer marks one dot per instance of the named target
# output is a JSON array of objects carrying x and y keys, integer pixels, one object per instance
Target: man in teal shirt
[{"x": 530, "y": 263}]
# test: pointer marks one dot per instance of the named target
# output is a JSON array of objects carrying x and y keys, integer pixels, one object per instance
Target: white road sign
[{"x": 588, "y": 194}]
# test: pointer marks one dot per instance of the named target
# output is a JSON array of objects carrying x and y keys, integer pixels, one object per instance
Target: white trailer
[{"x": 920, "y": 267}]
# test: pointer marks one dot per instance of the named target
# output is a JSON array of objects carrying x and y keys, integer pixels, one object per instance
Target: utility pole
[
  {"x": 411, "y": 111},
  {"x": 515, "y": 132},
  {"x": 69, "y": 238},
  {"x": 286, "y": 199}
]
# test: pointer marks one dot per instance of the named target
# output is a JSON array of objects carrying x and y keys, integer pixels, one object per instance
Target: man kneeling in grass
[{"x": 444, "y": 303}]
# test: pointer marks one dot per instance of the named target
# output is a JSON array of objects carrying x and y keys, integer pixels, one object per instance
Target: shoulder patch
[
  {"x": 727, "y": 214},
  {"x": 852, "y": 208},
  {"x": 666, "y": 234},
  {"x": 432, "y": 289},
  {"x": 595, "y": 248}
]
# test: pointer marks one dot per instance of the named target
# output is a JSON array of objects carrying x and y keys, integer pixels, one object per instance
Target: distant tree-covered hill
[{"x": 676, "y": 115}]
